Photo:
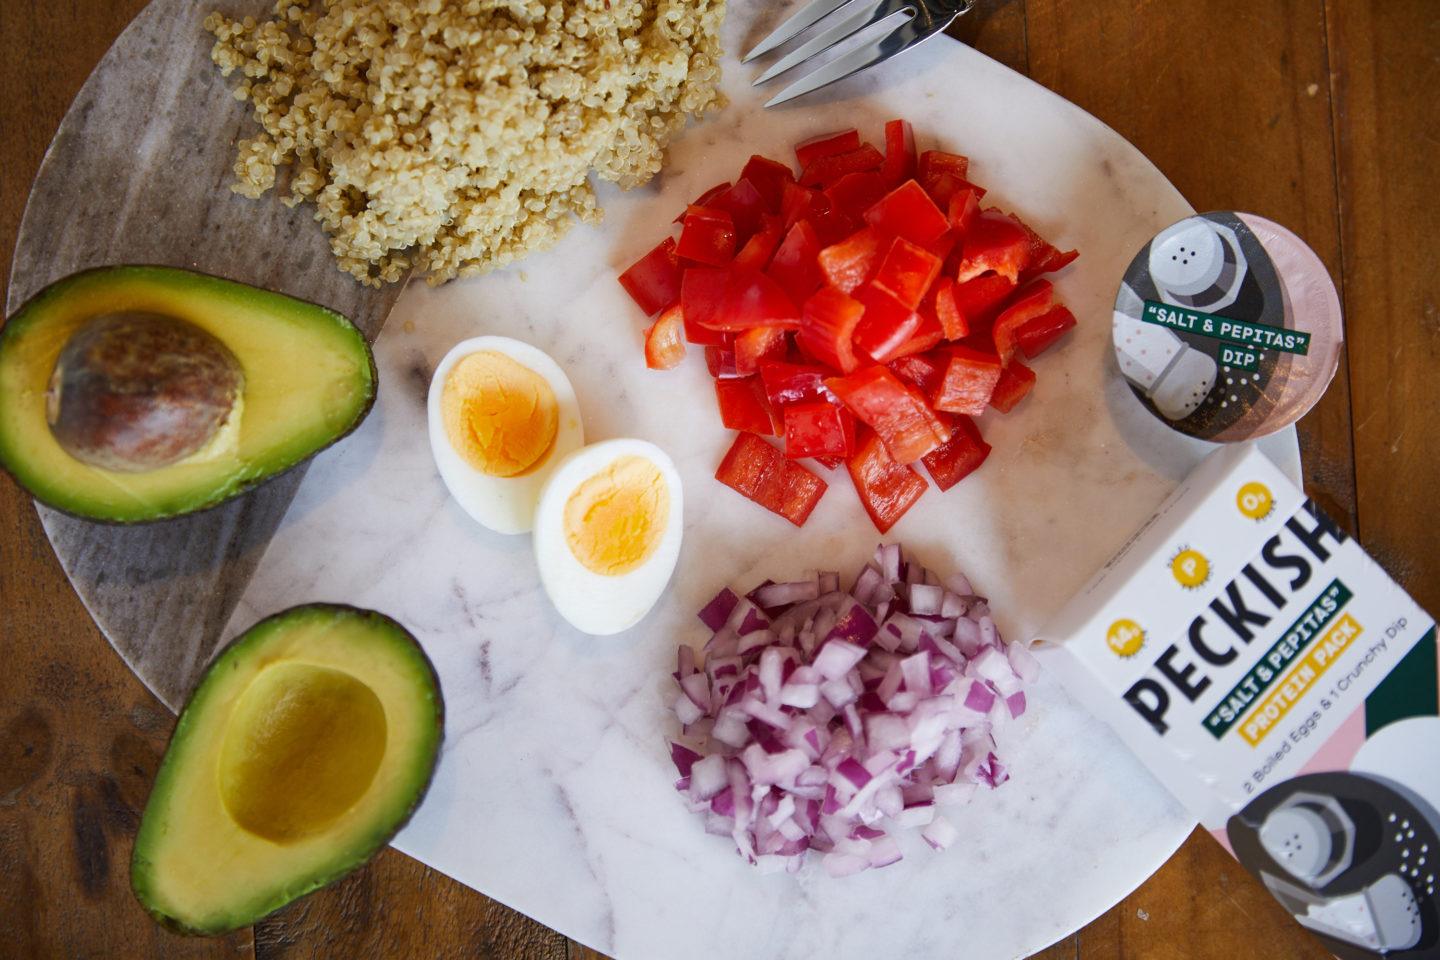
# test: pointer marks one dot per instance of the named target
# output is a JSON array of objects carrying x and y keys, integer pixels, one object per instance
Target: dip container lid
[{"x": 1227, "y": 327}]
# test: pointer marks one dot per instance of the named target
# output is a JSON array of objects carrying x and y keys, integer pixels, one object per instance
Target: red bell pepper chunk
[
  {"x": 906, "y": 272},
  {"x": 887, "y": 489},
  {"x": 969, "y": 381},
  {"x": 944, "y": 188},
  {"x": 1041, "y": 255},
  {"x": 653, "y": 281},
  {"x": 899, "y": 153},
  {"x": 964, "y": 208},
  {"x": 829, "y": 463},
  {"x": 744, "y": 203},
  {"x": 756, "y": 470},
  {"x": 827, "y": 328},
  {"x": 1036, "y": 336},
  {"x": 702, "y": 294},
  {"x": 895, "y": 410},
  {"x": 960, "y": 457},
  {"x": 850, "y": 263},
  {"x": 665, "y": 340},
  {"x": 927, "y": 336},
  {"x": 1015, "y": 382},
  {"x": 886, "y": 325},
  {"x": 758, "y": 250},
  {"x": 826, "y": 145},
  {"x": 993, "y": 242},
  {"x": 703, "y": 200},
  {"x": 831, "y": 223},
  {"x": 827, "y": 170},
  {"x": 743, "y": 406},
  {"x": 953, "y": 322},
  {"x": 978, "y": 300},
  {"x": 800, "y": 203},
  {"x": 1026, "y": 305},
  {"x": 933, "y": 163},
  {"x": 755, "y": 345},
  {"x": 769, "y": 177},
  {"x": 720, "y": 360},
  {"x": 708, "y": 237},
  {"x": 855, "y": 193},
  {"x": 818, "y": 428},
  {"x": 924, "y": 370},
  {"x": 734, "y": 300},
  {"x": 907, "y": 211},
  {"x": 787, "y": 383},
  {"x": 795, "y": 265}
]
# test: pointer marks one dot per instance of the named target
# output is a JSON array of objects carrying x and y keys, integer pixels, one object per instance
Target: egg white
[
  {"x": 502, "y": 504},
  {"x": 594, "y": 603}
]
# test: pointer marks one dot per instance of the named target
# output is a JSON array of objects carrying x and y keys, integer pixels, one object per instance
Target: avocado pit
[{"x": 137, "y": 391}]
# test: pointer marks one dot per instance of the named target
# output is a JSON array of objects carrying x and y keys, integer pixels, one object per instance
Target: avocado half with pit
[
  {"x": 308, "y": 743},
  {"x": 130, "y": 394}
]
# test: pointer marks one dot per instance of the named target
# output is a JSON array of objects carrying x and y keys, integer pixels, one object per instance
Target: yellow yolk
[
  {"x": 500, "y": 416},
  {"x": 615, "y": 519}
]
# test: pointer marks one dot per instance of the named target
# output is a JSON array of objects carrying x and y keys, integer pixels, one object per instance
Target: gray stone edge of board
[{"x": 140, "y": 172}]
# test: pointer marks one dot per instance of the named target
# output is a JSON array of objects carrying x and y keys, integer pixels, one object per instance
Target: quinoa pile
[{"x": 455, "y": 136}]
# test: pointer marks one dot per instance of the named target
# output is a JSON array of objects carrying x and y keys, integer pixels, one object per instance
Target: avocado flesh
[
  {"x": 308, "y": 743},
  {"x": 309, "y": 380}
]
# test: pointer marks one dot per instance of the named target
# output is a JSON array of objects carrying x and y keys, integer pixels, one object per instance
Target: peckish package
[{"x": 1285, "y": 689}]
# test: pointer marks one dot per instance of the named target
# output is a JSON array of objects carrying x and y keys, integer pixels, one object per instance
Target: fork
[{"x": 907, "y": 23}]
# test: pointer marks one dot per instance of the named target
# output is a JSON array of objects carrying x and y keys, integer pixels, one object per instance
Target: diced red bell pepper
[
  {"x": 960, "y": 457},
  {"x": 744, "y": 203},
  {"x": 993, "y": 242},
  {"x": 703, "y": 200},
  {"x": 1025, "y": 306},
  {"x": 1015, "y": 382},
  {"x": 906, "y": 272},
  {"x": 708, "y": 237},
  {"x": 924, "y": 370},
  {"x": 978, "y": 300},
  {"x": 795, "y": 265},
  {"x": 800, "y": 203},
  {"x": 907, "y": 211},
  {"x": 942, "y": 247},
  {"x": 964, "y": 208},
  {"x": 826, "y": 145},
  {"x": 827, "y": 170},
  {"x": 653, "y": 281},
  {"x": 829, "y": 463},
  {"x": 734, "y": 300},
  {"x": 1041, "y": 256},
  {"x": 886, "y": 489},
  {"x": 831, "y": 223},
  {"x": 850, "y": 263},
  {"x": 855, "y": 193},
  {"x": 927, "y": 336},
  {"x": 886, "y": 326},
  {"x": 665, "y": 340},
  {"x": 944, "y": 188},
  {"x": 743, "y": 406},
  {"x": 827, "y": 328},
  {"x": 952, "y": 322},
  {"x": 787, "y": 383},
  {"x": 970, "y": 379},
  {"x": 702, "y": 293},
  {"x": 899, "y": 153},
  {"x": 756, "y": 470},
  {"x": 818, "y": 428},
  {"x": 933, "y": 163},
  {"x": 895, "y": 410},
  {"x": 755, "y": 345},
  {"x": 769, "y": 177},
  {"x": 1036, "y": 336},
  {"x": 720, "y": 360},
  {"x": 758, "y": 250}
]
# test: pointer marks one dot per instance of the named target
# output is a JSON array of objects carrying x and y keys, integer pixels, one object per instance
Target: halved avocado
[
  {"x": 306, "y": 746},
  {"x": 130, "y": 394}
]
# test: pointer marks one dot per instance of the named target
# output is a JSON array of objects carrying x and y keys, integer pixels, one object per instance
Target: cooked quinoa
[{"x": 455, "y": 136}]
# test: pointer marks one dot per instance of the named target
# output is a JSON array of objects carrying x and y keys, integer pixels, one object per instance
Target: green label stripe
[
  {"x": 1271, "y": 666},
  {"x": 1259, "y": 336}
]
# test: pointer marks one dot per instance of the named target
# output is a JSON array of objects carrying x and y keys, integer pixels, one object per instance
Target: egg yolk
[
  {"x": 615, "y": 519},
  {"x": 500, "y": 416}
]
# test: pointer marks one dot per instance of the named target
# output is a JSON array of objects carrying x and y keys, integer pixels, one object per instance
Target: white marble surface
[{"x": 554, "y": 791}]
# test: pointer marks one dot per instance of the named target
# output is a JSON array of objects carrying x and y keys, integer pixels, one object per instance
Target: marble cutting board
[{"x": 554, "y": 791}]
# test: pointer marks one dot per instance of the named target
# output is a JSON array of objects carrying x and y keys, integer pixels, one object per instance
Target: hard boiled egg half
[
  {"x": 502, "y": 415},
  {"x": 607, "y": 533}
]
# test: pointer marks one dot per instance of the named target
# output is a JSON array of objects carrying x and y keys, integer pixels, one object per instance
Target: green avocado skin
[
  {"x": 172, "y": 787},
  {"x": 256, "y": 325}
]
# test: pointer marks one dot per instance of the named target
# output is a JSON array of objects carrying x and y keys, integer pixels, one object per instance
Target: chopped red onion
[{"x": 825, "y": 721}]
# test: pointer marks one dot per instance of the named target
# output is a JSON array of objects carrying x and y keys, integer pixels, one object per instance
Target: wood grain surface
[{"x": 1320, "y": 114}]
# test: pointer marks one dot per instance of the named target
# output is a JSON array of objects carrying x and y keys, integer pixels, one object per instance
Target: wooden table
[{"x": 1321, "y": 114}]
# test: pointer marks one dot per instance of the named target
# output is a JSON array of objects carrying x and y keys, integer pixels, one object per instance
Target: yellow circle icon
[
  {"x": 1190, "y": 568},
  {"x": 1255, "y": 500},
  {"x": 1125, "y": 637}
]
